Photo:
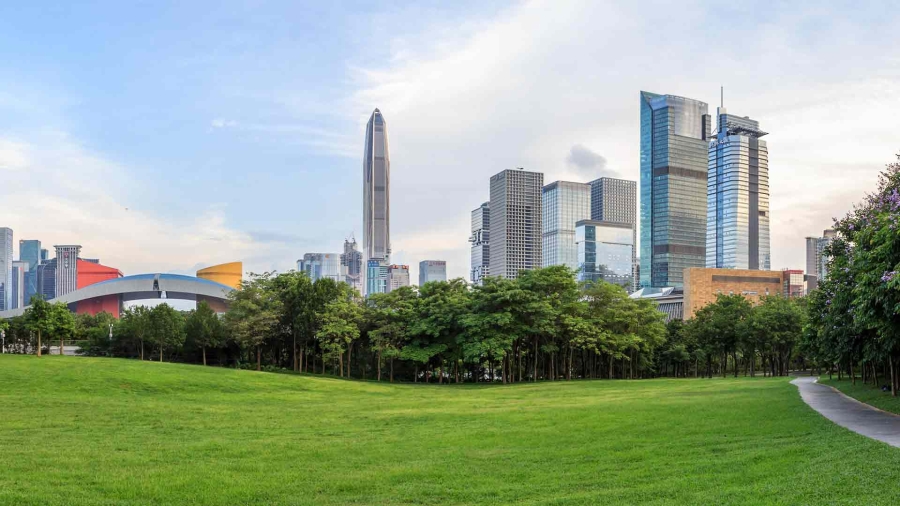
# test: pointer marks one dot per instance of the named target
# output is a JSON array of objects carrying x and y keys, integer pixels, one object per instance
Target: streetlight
[{"x": 3, "y": 337}]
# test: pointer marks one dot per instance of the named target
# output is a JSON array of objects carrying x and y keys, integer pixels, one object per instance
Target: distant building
[
  {"x": 432, "y": 270},
  {"x": 702, "y": 286},
  {"x": 604, "y": 252},
  {"x": 6, "y": 260},
  {"x": 376, "y": 193},
  {"x": 66, "y": 268},
  {"x": 45, "y": 255},
  {"x": 230, "y": 274},
  {"x": 30, "y": 251},
  {"x": 398, "y": 275},
  {"x": 376, "y": 277},
  {"x": 794, "y": 283},
  {"x": 352, "y": 265},
  {"x": 674, "y": 134},
  {"x": 515, "y": 222},
  {"x": 46, "y": 279},
  {"x": 737, "y": 217},
  {"x": 19, "y": 269},
  {"x": 615, "y": 200},
  {"x": 480, "y": 239},
  {"x": 563, "y": 204},
  {"x": 669, "y": 300},
  {"x": 321, "y": 265}
]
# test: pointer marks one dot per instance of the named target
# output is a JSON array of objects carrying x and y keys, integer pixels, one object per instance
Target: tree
[
  {"x": 203, "y": 328},
  {"x": 38, "y": 319},
  {"x": 339, "y": 329},
  {"x": 135, "y": 321},
  {"x": 254, "y": 313},
  {"x": 166, "y": 328},
  {"x": 437, "y": 325},
  {"x": 388, "y": 316}
]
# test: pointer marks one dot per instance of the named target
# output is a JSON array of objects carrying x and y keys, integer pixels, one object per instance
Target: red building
[
  {"x": 794, "y": 285},
  {"x": 89, "y": 273}
]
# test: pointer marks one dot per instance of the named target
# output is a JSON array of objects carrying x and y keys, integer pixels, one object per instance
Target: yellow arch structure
[{"x": 229, "y": 274}]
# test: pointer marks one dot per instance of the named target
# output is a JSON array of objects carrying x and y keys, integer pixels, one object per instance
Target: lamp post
[{"x": 3, "y": 337}]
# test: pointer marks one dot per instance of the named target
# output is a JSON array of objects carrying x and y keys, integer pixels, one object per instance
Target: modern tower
[
  {"x": 6, "y": 260},
  {"x": 737, "y": 217},
  {"x": 604, "y": 252},
  {"x": 515, "y": 222},
  {"x": 376, "y": 192},
  {"x": 66, "y": 268},
  {"x": 30, "y": 251},
  {"x": 480, "y": 239},
  {"x": 352, "y": 264},
  {"x": 17, "y": 298},
  {"x": 615, "y": 200},
  {"x": 321, "y": 266},
  {"x": 563, "y": 203},
  {"x": 674, "y": 152},
  {"x": 398, "y": 275},
  {"x": 432, "y": 270}
]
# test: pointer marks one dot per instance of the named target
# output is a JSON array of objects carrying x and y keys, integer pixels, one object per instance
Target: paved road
[{"x": 850, "y": 413}]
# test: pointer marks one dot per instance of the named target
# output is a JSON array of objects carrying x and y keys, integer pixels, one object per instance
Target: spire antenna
[{"x": 722, "y": 96}]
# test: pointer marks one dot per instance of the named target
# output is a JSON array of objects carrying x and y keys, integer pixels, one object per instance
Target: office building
[
  {"x": 615, "y": 200},
  {"x": 6, "y": 260},
  {"x": 515, "y": 222},
  {"x": 376, "y": 191},
  {"x": 480, "y": 239},
  {"x": 45, "y": 255},
  {"x": 432, "y": 270},
  {"x": 46, "y": 279},
  {"x": 66, "y": 268},
  {"x": 30, "y": 251},
  {"x": 674, "y": 151},
  {"x": 604, "y": 251},
  {"x": 737, "y": 218},
  {"x": 794, "y": 283},
  {"x": 376, "y": 277},
  {"x": 17, "y": 284},
  {"x": 398, "y": 275},
  {"x": 321, "y": 266},
  {"x": 816, "y": 259},
  {"x": 563, "y": 204},
  {"x": 702, "y": 286},
  {"x": 351, "y": 265}
]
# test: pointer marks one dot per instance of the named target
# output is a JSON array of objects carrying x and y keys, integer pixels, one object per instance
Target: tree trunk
[
  {"x": 735, "y": 364},
  {"x": 39, "y": 344},
  {"x": 204, "y": 355},
  {"x": 60, "y": 346},
  {"x": 142, "y": 349},
  {"x": 295, "y": 351},
  {"x": 852, "y": 376},
  {"x": 392, "y": 369},
  {"x": 341, "y": 364},
  {"x": 160, "y": 353},
  {"x": 349, "y": 355},
  {"x": 379, "y": 365},
  {"x": 259, "y": 360},
  {"x": 415, "y": 373},
  {"x": 534, "y": 372}
]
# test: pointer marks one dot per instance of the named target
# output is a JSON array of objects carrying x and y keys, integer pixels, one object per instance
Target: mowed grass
[
  {"x": 108, "y": 431},
  {"x": 865, "y": 392}
]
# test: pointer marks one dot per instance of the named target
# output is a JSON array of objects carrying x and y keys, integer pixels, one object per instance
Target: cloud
[
  {"x": 223, "y": 123},
  {"x": 592, "y": 165}
]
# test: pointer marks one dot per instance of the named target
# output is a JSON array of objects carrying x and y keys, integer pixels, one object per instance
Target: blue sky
[{"x": 166, "y": 136}]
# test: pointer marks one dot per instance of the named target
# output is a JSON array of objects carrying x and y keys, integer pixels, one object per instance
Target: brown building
[{"x": 701, "y": 286}]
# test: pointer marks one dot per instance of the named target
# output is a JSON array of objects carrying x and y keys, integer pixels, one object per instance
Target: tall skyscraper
[
  {"x": 604, "y": 252},
  {"x": 563, "y": 203},
  {"x": 376, "y": 191},
  {"x": 674, "y": 133},
  {"x": 432, "y": 270},
  {"x": 17, "y": 298},
  {"x": 46, "y": 279},
  {"x": 6, "y": 260},
  {"x": 321, "y": 266},
  {"x": 351, "y": 264},
  {"x": 812, "y": 256},
  {"x": 737, "y": 217},
  {"x": 816, "y": 259},
  {"x": 615, "y": 200},
  {"x": 30, "y": 251},
  {"x": 66, "y": 268},
  {"x": 515, "y": 222},
  {"x": 480, "y": 239},
  {"x": 398, "y": 275},
  {"x": 377, "y": 276}
]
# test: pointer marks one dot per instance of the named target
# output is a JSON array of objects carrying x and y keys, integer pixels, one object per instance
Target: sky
[{"x": 169, "y": 136}]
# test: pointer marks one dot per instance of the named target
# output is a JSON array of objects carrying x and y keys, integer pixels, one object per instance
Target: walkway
[{"x": 850, "y": 413}]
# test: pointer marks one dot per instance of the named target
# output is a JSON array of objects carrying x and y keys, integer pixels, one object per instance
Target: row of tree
[{"x": 854, "y": 316}]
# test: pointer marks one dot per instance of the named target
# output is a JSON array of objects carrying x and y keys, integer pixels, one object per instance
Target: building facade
[
  {"x": 230, "y": 274},
  {"x": 321, "y": 266},
  {"x": 6, "y": 260},
  {"x": 376, "y": 277},
  {"x": 794, "y": 283},
  {"x": 604, "y": 251},
  {"x": 352, "y": 265},
  {"x": 702, "y": 286},
  {"x": 563, "y": 204},
  {"x": 480, "y": 241},
  {"x": 46, "y": 279},
  {"x": 376, "y": 191},
  {"x": 432, "y": 270},
  {"x": 19, "y": 269},
  {"x": 615, "y": 200},
  {"x": 30, "y": 251},
  {"x": 66, "y": 268},
  {"x": 816, "y": 259},
  {"x": 674, "y": 150},
  {"x": 397, "y": 276},
  {"x": 737, "y": 217},
  {"x": 515, "y": 222}
]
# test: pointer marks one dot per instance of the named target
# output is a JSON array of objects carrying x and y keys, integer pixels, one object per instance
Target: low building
[
  {"x": 398, "y": 275},
  {"x": 703, "y": 285},
  {"x": 321, "y": 265},
  {"x": 669, "y": 300},
  {"x": 605, "y": 252},
  {"x": 793, "y": 282}
]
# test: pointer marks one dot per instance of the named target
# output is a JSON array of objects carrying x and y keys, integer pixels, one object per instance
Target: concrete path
[{"x": 850, "y": 413}]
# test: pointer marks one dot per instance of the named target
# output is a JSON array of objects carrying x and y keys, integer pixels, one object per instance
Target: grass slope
[
  {"x": 106, "y": 431},
  {"x": 865, "y": 392}
]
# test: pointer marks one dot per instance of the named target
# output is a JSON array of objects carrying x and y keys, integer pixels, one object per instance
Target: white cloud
[{"x": 223, "y": 123}]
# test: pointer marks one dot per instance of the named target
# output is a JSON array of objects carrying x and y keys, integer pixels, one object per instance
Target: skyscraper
[
  {"x": 480, "y": 239},
  {"x": 398, "y": 275},
  {"x": 30, "y": 251},
  {"x": 563, "y": 203},
  {"x": 351, "y": 264},
  {"x": 376, "y": 191},
  {"x": 812, "y": 256},
  {"x": 321, "y": 266},
  {"x": 6, "y": 260},
  {"x": 674, "y": 133},
  {"x": 737, "y": 217},
  {"x": 432, "y": 270},
  {"x": 615, "y": 200},
  {"x": 515, "y": 222},
  {"x": 17, "y": 298},
  {"x": 46, "y": 279},
  {"x": 66, "y": 268}
]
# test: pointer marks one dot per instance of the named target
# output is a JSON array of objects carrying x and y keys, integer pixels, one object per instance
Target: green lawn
[
  {"x": 107, "y": 431},
  {"x": 865, "y": 393}
]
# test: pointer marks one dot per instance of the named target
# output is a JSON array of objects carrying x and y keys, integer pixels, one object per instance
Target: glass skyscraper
[
  {"x": 30, "y": 251},
  {"x": 376, "y": 191},
  {"x": 604, "y": 252},
  {"x": 563, "y": 204},
  {"x": 674, "y": 133},
  {"x": 321, "y": 265},
  {"x": 480, "y": 239},
  {"x": 615, "y": 200},
  {"x": 737, "y": 233},
  {"x": 6, "y": 261}
]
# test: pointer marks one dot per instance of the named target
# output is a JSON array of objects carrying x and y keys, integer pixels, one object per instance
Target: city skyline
[{"x": 78, "y": 116}]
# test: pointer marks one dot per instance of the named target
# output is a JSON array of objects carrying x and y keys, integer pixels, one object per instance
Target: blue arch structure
[{"x": 143, "y": 287}]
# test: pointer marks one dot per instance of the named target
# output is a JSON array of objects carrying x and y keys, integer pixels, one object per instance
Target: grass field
[
  {"x": 108, "y": 431},
  {"x": 865, "y": 393}
]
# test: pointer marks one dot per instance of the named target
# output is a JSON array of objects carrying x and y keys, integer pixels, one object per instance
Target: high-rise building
[
  {"x": 66, "y": 268},
  {"x": 19, "y": 269},
  {"x": 30, "y": 251},
  {"x": 480, "y": 239},
  {"x": 46, "y": 279},
  {"x": 674, "y": 151},
  {"x": 432, "y": 270},
  {"x": 816, "y": 259},
  {"x": 321, "y": 266},
  {"x": 515, "y": 222},
  {"x": 6, "y": 260},
  {"x": 351, "y": 264},
  {"x": 398, "y": 275},
  {"x": 794, "y": 283},
  {"x": 737, "y": 217},
  {"x": 615, "y": 200},
  {"x": 45, "y": 255},
  {"x": 377, "y": 277},
  {"x": 604, "y": 252},
  {"x": 812, "y": 256},
  {"x": 563, "y": 204},
  {"x": 376, "y": 191}
]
